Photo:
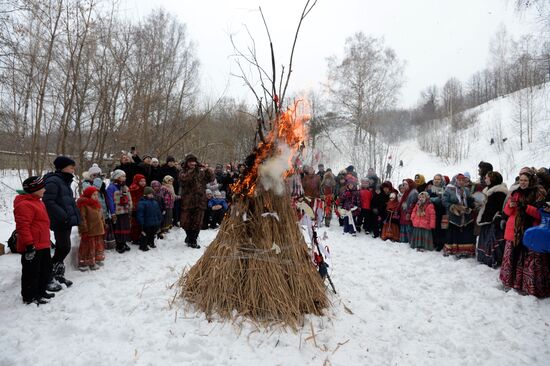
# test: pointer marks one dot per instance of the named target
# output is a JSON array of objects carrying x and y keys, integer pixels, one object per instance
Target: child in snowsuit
[
  {"x": 32, "y": 225},
  {"x": 217, "y": 206},
  {"x": 91, "y": 252},
  {"x": 363, "y": 219},
  {"x": 157, "y": 193},
  {"x": 149, "y": 217},
  {"x": 423, "y": 221}
]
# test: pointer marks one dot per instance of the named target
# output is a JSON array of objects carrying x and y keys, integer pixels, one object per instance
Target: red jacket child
[{"x": 31, "y": 222}]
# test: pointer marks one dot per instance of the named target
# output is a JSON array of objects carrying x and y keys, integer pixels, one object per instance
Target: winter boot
[
  {"x": 39, "y": 301},
  {"x": 53, "y": 286},
  {"x": 143, "y": 244},
  {"x": 126, "y": 247},
  {"x": 120, "y": 248},
  {"x": 59, "y": 274},
  {"x": 47, "y": 295},
  {"x": 94, "y": 267},
  {"x": 194, "y": 234}
]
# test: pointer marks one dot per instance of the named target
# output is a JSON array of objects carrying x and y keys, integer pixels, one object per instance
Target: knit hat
[
  {"x": 148, "y": 190},
  {"x": 145, "y": 156},
  {"x": 487, "y": 167},
  {"x": 154, "y": 160},
  {"x": 62, "y": 162},
  {"x": 117, "y": 174},
  {"x": 89, "y": 191},
  {"x": 95, "y": 169},
  {"x": 467, "y": 175},
  {"x": 155, "y": 184},
  {"x": 170, "y": 158},
  {"x": 208, "y": 191},
  {"x": 217, "y": 194},
  {"x": 350, "y": 168},
  {"x": 393, "y": 195},
  {"x": 33, "y": 184}
]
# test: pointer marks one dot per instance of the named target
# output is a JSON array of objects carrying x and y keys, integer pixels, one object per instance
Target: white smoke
[{"x": 272, "y": 170}]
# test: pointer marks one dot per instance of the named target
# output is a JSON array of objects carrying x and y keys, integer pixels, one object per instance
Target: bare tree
[{"x": 365, "y": 82}]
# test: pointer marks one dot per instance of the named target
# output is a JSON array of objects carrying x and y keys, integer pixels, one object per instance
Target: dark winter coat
[
  {"x": 193, "y": 188},
  {"x": 130, "y": 169},
  {"x": 148, "y": 213},
  {"x": 31, "y": 222},
  {"x": 495, "y": 197},
  {"x": 147, "y": 171},
  {"x": 156, "y": 174},
  {"x": 60, "y": 202}
]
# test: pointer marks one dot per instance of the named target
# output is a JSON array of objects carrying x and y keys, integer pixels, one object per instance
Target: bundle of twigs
[{"x": 258, "y": 266}]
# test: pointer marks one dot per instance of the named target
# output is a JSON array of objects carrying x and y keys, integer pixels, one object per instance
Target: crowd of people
[
  {"x": 500, "y": 226},
  {"x": 142, "y": 200}
]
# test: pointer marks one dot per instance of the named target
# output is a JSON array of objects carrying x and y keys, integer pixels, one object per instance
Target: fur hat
[
  {"x": 33, "y": 184},
  {"x": 170, "y": 158},
  {"x": 62, "y": 162},
  {"x": 148, "y": 190},
  {"x": 95, "y": 169},
  {"x": 117, "y": 174}
]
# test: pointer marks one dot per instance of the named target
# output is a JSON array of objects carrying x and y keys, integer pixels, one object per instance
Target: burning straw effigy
[{"x": 259, "y": 266}]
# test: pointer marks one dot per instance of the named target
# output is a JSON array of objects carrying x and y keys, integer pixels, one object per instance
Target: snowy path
[{"x": 408, "y": 308}]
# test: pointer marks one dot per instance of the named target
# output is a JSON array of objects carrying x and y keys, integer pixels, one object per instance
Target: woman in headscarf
[
  {"x": 491, "y": 238},
  {"x": 523, "y": 269},
  {"x": 406, "y": 206},
  {"x": 458, "y": 203}
]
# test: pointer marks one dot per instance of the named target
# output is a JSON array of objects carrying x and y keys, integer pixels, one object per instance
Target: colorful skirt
[
  {"x": 91, "y": 250},
  {"x": 421, "y": 239},
  {"x": 405, "y": 233},
  {"x": 490, "y": 246},
  {"x": 390, "y": 231},
  {"x": 110, "y": 240},
  {"x": 135, "y": 229},
  {"x": 122, "y": 228},
  {"x": 525, "y": 270},
  {"x": 461, "y": 241}
]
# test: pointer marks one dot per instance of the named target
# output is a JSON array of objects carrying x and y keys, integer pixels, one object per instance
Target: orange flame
[{"x": 288, "y": 128}]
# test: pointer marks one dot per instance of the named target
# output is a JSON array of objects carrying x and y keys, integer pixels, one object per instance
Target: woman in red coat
[
  {"x": 523, "y": 269},
  {"x": 32, "y": 225}
]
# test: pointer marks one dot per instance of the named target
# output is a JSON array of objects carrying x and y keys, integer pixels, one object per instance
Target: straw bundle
[{"x": 258, "y": 266}]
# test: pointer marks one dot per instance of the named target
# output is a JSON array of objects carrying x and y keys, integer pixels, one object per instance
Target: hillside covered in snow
[{"x": 436, "y": 148}]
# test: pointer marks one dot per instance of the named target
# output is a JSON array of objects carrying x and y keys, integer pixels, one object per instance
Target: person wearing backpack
[{"x": 32, "y": 225}]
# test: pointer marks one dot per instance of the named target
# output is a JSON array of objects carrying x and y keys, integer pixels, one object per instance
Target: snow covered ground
[{"x": 395, "y": 306}]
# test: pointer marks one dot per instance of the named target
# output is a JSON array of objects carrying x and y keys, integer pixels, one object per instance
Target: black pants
[
  {"x": 217, "y": 217},
  {"x": 35, "y": 274},
  {"x": 176, "y": 213},
  {"x": 62, "y": 244},
  {"x": 207, "y": 219},
  {"x": 363, "y": 220},
  {"x": 150, "y": 234}
]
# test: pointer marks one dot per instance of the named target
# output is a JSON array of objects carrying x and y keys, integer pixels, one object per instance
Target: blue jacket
[
  {"x": 148, "y": 212},
  {"x": 537, "y": 238},
  {"x": 60, "y": 202},
  {"x": 217, "y": 201}
]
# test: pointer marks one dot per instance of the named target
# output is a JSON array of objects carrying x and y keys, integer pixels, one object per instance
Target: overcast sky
[{"x": 436, "y": 38}]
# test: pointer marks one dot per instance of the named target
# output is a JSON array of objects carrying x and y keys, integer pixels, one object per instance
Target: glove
[
  {"x": 143, "y": 233},
  {"x": 164, "y": 212},
  {"x": 113, "y": 219},
  {"x": 29, "y": 252},
  {"x": 502, "y": 224}
]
